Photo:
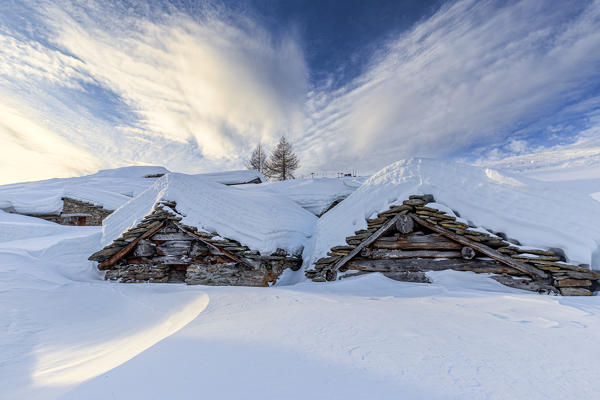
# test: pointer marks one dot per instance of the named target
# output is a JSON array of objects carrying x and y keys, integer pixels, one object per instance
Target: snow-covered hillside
[{"x": 574, "y": 167}]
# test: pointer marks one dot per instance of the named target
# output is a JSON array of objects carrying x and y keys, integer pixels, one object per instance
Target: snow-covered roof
[
  {"x": 314, "y": 195},
  {"x": 108, "y": 188},
  {"x": 234, "y": 177},
  {"x": 524, "y": 209},
  {"x": 260, "y": 220}
]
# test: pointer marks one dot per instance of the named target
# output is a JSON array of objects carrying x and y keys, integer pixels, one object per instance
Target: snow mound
[
  {"x": 262, "y": 221},
  {"x": 314, "y": 195},
  {"x": 108, "y": 188},
  {"x": 524, "y": 209},
  {"x": 234, "y": 177}
]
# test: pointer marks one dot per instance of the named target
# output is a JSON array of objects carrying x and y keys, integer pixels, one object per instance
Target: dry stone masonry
[
  {"x": 410, "y": 239},
  {"x": 77, "y": 212},
  {"x": 162, "y": 249}
]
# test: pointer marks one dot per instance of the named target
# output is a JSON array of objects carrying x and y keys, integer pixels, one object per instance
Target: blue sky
[{"x": 354, "y": 85}]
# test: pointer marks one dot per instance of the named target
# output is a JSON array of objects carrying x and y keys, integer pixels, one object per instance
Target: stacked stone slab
[
  {"x": 562, "y": 278},
  {"x": 162, "y": 249},
  {"x": 77, "y": 212}
]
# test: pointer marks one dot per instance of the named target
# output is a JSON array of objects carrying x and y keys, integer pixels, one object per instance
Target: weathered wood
[
  {"x": 177, "y": 243},
  {"x": 367, "y": 242},
  {"x": 171, "y": 260},
  {"x": 524, "y": 284},
  {"x": 129, "y": 247},
  {"x": 243, "y": 260},
  {"x": 415, "y": 265},
  {"x": 415, "y": 242},
  {"x": 573, "y": 282},
  {"x": 180, "y": 236},
  {"x": 172, "y": 251},
  {"x": 405, "y": 224},
  {"x": 467, "y": 253},
  {"x": 528, "y": 269},
  {"x": 144, "y": 249},
  {"x": 383, "y": 254},
  {"x": 418, "y": 277}
]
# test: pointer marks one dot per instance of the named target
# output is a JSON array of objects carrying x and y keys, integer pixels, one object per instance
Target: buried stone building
[
  {"x": 406, "y": 236},
  {"x": 206, "y": 233},
  {"x": 413, "y": 238}
]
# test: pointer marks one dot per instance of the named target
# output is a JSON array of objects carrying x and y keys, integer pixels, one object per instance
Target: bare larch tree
[
  {"x": 282, "y": 162},
  {"x": 258, "y": 160}
]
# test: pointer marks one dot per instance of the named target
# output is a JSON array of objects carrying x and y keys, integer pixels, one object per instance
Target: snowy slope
[
  {"x": 529, "y": 211},
  {"x": 260, "y": 220},
  {"x": 108, "y": 188},
  {"x": 67, "y": 334},
  {"x": 574, "y": 167},
  {"x": 234, "y": 177},
  {"x": 314, "y": 195},
  {"x": 576, "y": 161}
]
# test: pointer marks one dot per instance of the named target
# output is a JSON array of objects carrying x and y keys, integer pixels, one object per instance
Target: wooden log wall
[{"x": 418, "y": 238}]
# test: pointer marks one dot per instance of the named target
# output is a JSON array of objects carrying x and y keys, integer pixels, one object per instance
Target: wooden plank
[
  {"x": 242, "y": 260},
  {"x": 129, "y": 247},
  {"x": 383, "y": 254},
  {"x": 488, "y": 251},
  {"x": 417, "y": 242},
  {"x": 416, "y": 265},
  {"x": 179, "y": 236},
  {"x": 332, "y": 273}
]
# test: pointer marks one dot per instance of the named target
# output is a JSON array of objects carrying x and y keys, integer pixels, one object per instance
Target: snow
[
  {"x": 68, "y": 334},
  {"x": 108, "y": 188},
  {"x": 574, "y": 167},
  {"x": 260, "y": 220},
  {"x": 534, "y": 213},
  {"x": 234, "y": 177},
  {"x": 314, "y": 195}
]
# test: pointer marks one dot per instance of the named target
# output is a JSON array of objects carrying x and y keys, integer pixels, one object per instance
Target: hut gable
[
  {"x": 410, "y": 239},
  {"x": 160, "y": 248}
]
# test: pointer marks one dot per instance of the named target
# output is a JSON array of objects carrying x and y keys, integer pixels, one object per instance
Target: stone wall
[
  {"x": 424, "y": 238},
  {"x": 165, "y": 250}
]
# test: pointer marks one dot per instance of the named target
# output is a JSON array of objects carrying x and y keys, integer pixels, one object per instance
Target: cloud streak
[
  {"x": 132, "y": 83},
  {"x": 470, "y": 75}
]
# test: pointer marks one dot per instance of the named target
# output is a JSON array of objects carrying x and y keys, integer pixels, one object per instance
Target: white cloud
[
  {"x": 199, "y": 92},
  {"x": 31, "y": 151},
  {"x": 469, "y": 75},
  {"x": 202, "y": 91}
]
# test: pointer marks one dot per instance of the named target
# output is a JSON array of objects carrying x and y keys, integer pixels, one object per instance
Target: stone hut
[
  {"x": 410, "y": 239},
  {"x": 76, "y": 212},
  {"x": 205, "y": 233}
]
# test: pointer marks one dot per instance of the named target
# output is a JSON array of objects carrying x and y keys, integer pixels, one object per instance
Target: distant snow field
[{"x": 68, "y": 334}]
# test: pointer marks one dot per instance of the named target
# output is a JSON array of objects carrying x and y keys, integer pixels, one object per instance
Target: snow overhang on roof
[{"x": 261, "y": 221}]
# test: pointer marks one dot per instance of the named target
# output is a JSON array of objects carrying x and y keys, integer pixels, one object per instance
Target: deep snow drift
[
  {"x": 262, "y": 221},
  {"x": 314, "y": 195},
  {"x": 534, "y": 213},
  {"x": 68, "y": 334},
  {"x": 108, "y": 188}
]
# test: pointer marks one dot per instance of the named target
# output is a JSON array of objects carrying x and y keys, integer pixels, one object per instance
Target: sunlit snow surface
[
  {"x": 533, "y": 212},
  {"x": 67, "y": 334}
]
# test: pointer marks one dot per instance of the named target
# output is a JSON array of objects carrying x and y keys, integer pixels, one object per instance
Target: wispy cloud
[
  {"x": 214, "y": 83},
  {"x": 468, "y": 76},
  {"x": 134, "y": 82}
]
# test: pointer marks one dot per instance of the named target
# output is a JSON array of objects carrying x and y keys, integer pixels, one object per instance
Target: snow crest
[
  {"x": 530, "y": 211},
  {"x": 262, "y": 221}
]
